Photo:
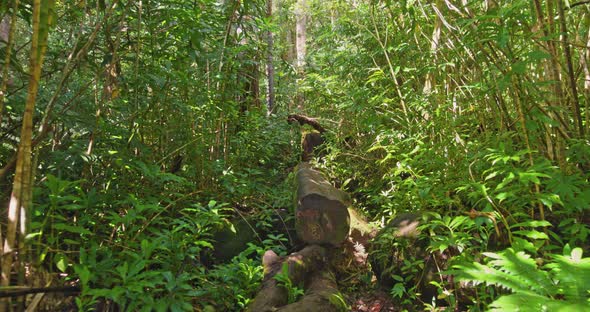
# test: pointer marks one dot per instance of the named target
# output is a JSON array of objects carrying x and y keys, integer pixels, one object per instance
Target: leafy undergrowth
[
  {"x": 498, "y": 231},
  {"x": 161, "y": 150}
]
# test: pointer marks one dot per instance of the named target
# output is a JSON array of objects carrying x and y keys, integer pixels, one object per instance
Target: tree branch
[{"x": 303, "y": 120}]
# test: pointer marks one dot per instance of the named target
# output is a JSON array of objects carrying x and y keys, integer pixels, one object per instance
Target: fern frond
[
  {"x": 534, "y": 303},
  {"x": 511, "y": 270},
  {"x": 565, "y": 286},
  {"x": 521, "y": 265},
  {"x": 477, "y": 272},
  {"x": 572, "y": 274}
]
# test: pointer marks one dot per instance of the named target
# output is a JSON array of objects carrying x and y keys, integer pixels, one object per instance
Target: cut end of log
[{"x": 322, "y": 210}]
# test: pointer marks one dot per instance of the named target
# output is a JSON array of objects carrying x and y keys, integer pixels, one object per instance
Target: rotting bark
[
  {"x": 310, "y": 140},
  {"x": 322, "y": 216},
  {"x": 299, "y": 266},
  {"x": 304, "y": 120},
  {"x": 321, "y": 295}
]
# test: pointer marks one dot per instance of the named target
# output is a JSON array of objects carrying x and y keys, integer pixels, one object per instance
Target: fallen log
[
  {"x": 310, "y": 146},
  {"x": 299, "y": 267},
  {"x": 321, "y": 295},
  {"x": 310, "y": 141},
  {"x": 322, "y": 210},
  {"x": 16, "y": 292}
]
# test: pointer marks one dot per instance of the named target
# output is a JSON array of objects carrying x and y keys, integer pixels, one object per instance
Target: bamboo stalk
[
  {"x": 21, "y": 196},
  {"x": 570, "y": 69}
]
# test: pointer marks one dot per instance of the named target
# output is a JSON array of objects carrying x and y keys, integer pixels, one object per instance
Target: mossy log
[
  {"x": 322, "y": 210},
  {"x": 321, "y": 295},
  {"x": 304, "y": 120},
  {"x": 300, "y": 266}
]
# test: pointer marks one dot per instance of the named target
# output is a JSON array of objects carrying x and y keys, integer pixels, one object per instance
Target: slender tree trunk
[
  {"x": 584, "y": 59},
  {"x": 570, "y": 69},
  {"x": 552, "y": 66},
  {"x": 270, "y": 70},
  {"x": 7, "y": 56},
  {"x": 21, "y": 196},
  {"x": 430, "y": 80},
  {"x": 301, "y": 48}
]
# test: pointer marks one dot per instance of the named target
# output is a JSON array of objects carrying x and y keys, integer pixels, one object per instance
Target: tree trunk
[
  {"x": 319, "y": 295},
  {"x": 270, "y": 70},
  {"x": 570, "y": 70},
  {"x": 301, "y": 49},
  {"x": 8, "y": 32},
  {"x": 21, "y": 196}
]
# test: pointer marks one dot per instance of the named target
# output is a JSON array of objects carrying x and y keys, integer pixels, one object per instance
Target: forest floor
[{"x": 377, "y": 301}]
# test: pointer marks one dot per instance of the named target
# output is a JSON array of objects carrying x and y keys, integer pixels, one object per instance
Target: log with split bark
[
  {"x": 322, "y": 210},
  {"x": 307, "y": 268},
  {"x": 323, "y": 222}
]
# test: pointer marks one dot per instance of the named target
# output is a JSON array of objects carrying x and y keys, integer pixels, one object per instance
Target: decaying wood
[
  {"x": 321, "y": 216},
  {"x": 320, "y": 295},
  {"x": 311, "y": 141},
  {"x": 299, "y": 266},
  {"x": 304, "y": 120}
]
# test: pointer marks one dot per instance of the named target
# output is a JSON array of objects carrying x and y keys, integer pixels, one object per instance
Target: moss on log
[
  {"x": 299, "y": 266},
  {"x": 321, "y": 295}
]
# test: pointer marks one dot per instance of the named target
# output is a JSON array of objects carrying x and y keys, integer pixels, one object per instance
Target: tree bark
[
  {"x": 21, "y": 196},
  {"x": 570, "y": 69},
  {"x": 299, "y": 266},
  {"x": 319, "y": 295},
  {"x": 7, "y": 55},
  {"x": 322, "y": 210},
  {"x": 304, "y": 120},
  {"x": 270, "y": 70},
  {"x": 300, "y": 47}
]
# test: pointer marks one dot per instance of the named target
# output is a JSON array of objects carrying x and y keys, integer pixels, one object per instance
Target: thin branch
[
  {"x": 18, "y": 291},
  {"x": 304, "y": 120},
  {"x": 571, "y": 6}
]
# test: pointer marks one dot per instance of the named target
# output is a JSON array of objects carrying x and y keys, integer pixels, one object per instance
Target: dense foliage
[{"x": 152, "y": 133}]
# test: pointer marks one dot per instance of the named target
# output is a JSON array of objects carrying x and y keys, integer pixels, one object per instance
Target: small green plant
[
  {"x": 561, "y": 285},
  {"x": 230, "y": 286},
  {"x": 399, "y": 263},
  {"x": 293, "y": 292}
]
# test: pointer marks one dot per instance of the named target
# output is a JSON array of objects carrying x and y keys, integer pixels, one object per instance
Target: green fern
[{"x": 562, "y": 285}]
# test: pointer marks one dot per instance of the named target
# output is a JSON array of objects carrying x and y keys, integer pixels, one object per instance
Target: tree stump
[{"x": 322, "y": 210}]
